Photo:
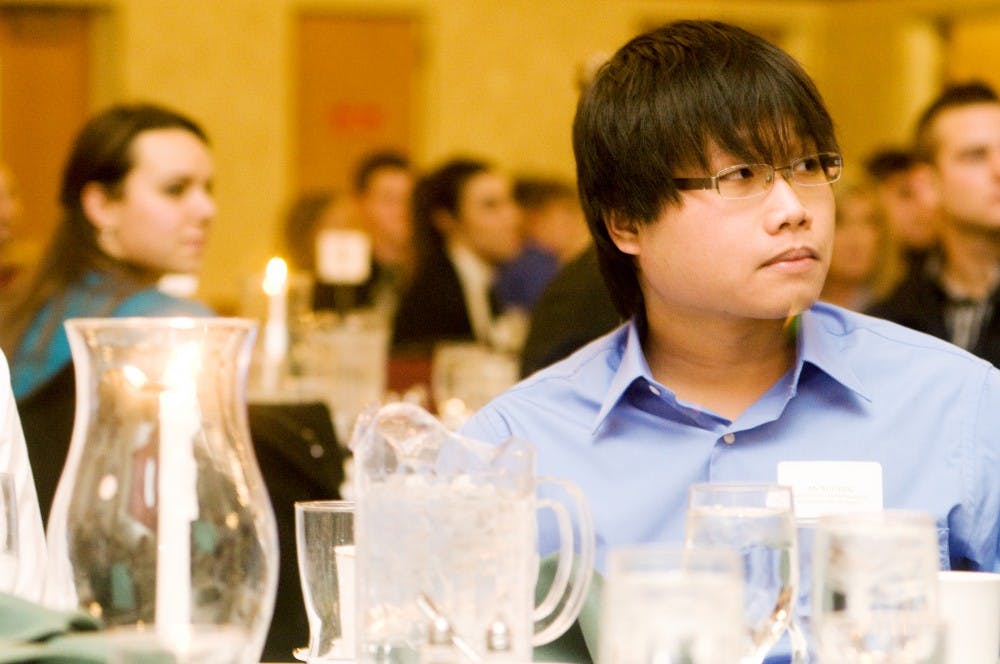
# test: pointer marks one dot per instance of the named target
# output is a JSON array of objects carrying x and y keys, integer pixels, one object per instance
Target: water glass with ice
[
  {"x": 450, "y": 523},
  {"x": 670, "y": 603},
  {"x": 342, "y": 358},
  {"x": 757, "y": 521},
  {"x": 875, "y": 588}
]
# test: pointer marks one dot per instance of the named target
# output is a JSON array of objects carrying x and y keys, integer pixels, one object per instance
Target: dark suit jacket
[
  {"x": 574, "y": 309},
  {"x": 432, "y": 309},
  {"x": 919, "y": 303}
]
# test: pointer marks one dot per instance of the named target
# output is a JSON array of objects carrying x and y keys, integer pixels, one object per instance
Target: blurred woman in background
[
  {"x": 466, "y": 225},
  {"x": 137, "y": 202}
]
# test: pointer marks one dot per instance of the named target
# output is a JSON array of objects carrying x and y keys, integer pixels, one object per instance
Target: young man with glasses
[{"x": 705, "y": 159}]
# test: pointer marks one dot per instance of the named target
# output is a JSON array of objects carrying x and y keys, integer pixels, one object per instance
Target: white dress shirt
[
  {"x": 31, "y": 551},
  {"x": 476, "y": 278}
]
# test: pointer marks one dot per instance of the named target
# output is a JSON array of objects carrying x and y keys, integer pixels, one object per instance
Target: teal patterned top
[{"x": 33, "y": 365}]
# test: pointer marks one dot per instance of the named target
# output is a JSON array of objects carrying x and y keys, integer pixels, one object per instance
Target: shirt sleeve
[{"x": 31, "y": 550}]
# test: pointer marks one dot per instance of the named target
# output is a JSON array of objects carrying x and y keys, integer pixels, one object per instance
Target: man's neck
[
  {"x": 971, "y": 259},
  {"x": 722, "y": 365}
]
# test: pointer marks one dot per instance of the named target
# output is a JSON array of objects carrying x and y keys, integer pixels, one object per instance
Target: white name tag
[
  {"x": 832, "y": 487},
  {"x": 343, "y": 256}
]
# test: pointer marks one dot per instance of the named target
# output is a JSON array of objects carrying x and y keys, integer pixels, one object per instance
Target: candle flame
[{"x": 275, "y": 276}]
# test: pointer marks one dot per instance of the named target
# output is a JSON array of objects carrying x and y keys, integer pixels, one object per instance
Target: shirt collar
[
  {"x": 818, "y": 344},
  {"x": 821, "y": 341}
]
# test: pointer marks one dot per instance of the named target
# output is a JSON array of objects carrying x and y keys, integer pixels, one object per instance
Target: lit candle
[
  {"x": 177, "y": 496},
  {"x": 276, "y": 326}
]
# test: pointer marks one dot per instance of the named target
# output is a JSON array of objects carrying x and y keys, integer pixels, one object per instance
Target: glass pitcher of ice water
[{"x": 445, "y": 534}]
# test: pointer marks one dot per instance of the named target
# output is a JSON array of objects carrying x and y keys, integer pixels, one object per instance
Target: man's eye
[
  {"x": 737, "y": 174},
  {"x": 809, "y": 165}
]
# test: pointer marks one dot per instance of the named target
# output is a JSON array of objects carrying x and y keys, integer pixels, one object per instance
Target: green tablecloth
[
  {"x": 579, "y": 644},
  {"x": 32, "y": 633}
]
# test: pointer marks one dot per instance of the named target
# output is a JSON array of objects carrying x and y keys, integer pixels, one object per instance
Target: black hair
[
  {"x": 440, "y": 190},
  {"x": 886, "y": 162},
  {"x": 374, "y": 162},
  {"x": 659, "y": 105}
]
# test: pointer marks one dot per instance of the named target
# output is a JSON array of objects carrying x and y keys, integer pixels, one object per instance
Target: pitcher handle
[{"x": 571, "y": 582}]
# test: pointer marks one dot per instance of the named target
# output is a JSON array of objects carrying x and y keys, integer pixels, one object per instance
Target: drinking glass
[
  {"x": 8, "y": 533},
  {"x": 875, "y": 591},
  {"x": 755, "y": 520},
  {"x": 666, "y": 603},
  {"x": 342, "y": 358},
  {"x": 466, "y": 376},
  {"x": 324, "y": 537}
]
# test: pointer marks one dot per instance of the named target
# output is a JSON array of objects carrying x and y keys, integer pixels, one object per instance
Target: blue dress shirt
[{"x": 861, "y": 389}]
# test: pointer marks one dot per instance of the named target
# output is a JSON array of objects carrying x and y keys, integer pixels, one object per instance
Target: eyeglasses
[{"x": 749, "y": 180}]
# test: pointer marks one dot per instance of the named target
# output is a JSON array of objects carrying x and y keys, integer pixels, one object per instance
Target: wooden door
[
  {"x": 356, "y": 90},
  {"x": 44, "y": 84}
]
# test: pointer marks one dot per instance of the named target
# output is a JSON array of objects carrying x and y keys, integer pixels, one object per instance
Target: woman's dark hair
[
  {"x": 440, "y": 190},
  {"x": 659, "y": 105},
  {"x": 102, "y": 153}
]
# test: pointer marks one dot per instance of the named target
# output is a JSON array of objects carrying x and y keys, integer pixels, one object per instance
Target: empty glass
[
  {"x": 324, "y": 537},
  {"x": 755, "y": 520},
  {"x": 8, "y": 533},
  {"x": 665, "y": 603},
  {"x": 875, "y": 592}
]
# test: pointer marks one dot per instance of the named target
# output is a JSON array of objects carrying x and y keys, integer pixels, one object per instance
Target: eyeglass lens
[{"x": 748, "y": 180}]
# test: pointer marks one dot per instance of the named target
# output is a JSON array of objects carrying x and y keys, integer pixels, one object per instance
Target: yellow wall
[{"x": 497, "y": 80}]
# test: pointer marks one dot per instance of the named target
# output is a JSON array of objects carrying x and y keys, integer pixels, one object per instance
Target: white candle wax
[{"x": 177, "y": 498}]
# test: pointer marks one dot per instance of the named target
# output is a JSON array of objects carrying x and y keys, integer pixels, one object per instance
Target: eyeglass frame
[{"x": 698, "y": 184}]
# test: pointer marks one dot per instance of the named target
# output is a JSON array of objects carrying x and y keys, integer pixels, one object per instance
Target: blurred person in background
[
  {"x": 466, "y": 225},
  {"x": 383, "y": 190},
  {"x": 906, "y": 196},
  {"x": 308, "y": 214},
  {"x": 554, "y": 232},
  {"x": 137, "y": 202},
  {"x": 954, "y": 295},
  {"x": 10, "y": 210},
  {"x": 865, "y": 264}
]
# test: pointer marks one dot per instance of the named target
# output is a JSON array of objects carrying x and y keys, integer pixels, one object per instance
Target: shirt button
[
  {"x": 729, "y": 438},
  {"x": 654, "y": 390}
]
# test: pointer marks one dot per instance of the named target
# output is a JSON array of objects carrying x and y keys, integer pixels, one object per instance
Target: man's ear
[{"x": 624, "y": 233}]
